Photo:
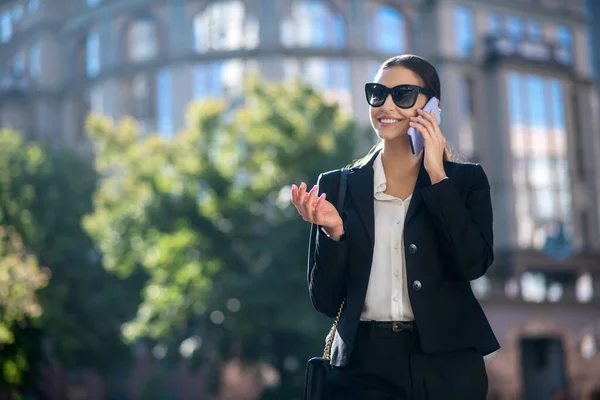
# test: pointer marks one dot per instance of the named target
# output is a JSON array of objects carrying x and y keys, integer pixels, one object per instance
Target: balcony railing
[
  {"x": 9, "y": 83},
  {"x": 501, "y": 47}
]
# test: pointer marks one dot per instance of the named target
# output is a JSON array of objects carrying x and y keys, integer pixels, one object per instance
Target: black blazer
[{"x": 448, "y": 242}]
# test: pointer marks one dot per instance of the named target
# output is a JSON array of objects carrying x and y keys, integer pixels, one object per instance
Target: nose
[{"x": 389, "y": 102}]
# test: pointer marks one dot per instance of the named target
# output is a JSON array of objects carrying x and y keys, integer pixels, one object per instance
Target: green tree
[
  {"x": 44, "y": 194},
  {"x": 206, "y": 215},
  {"x": 20, "y": 279}
]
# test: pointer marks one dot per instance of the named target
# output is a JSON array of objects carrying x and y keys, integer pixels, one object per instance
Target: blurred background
[{"x": 148, "y": 246}]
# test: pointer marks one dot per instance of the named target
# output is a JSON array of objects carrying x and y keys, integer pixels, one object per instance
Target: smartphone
[{"x": 416, "y": 139}]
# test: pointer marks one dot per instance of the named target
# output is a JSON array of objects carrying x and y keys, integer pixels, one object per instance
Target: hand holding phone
[{"x": 417, "y": 143}]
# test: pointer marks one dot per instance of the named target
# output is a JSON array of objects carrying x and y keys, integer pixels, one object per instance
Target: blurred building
[
  {"x": 518, "y": 97},
  {"x": 594, "y": 10}
]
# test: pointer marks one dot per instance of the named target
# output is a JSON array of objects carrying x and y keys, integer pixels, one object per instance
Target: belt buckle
[{"x": 396, "y": 327}]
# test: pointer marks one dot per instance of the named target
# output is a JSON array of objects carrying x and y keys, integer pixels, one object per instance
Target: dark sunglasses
[{"x": 404, "y": 96}]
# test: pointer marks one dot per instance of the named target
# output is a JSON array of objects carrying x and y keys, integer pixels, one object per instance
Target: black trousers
[{"x": 387, "y": 365}]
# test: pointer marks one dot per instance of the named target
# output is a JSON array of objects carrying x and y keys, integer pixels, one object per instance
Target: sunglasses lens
[
  {"x": 376, "y": 95},
  {"x": 404, "y": 97}
]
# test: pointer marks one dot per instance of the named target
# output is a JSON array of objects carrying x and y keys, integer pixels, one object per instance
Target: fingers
[
  {"x": 309, "y": 202},
  {"x": 306, "y": 203},
  {"x": 431, "y": 122},
  {"x": 420, "y": 126},
  {"x": 428, "y": 127},
  {"x": 429, "y": 117},
  {"x": 318, "y": 204},
  {"x": 320, "y": 201},
  {"x": 297, "y": 194},
  {"x": 426, "y": 120},
  {"x": 294, "y": 193}
]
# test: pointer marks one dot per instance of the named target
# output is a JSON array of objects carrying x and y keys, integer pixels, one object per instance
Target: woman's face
[{"x": 390, "y": 121}]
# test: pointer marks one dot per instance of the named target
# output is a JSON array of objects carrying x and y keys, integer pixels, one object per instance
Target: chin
[{"x": 386, "y": 134}]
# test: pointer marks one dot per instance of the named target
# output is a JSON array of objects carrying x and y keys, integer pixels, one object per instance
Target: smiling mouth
[{"x": 388, "y": 121}]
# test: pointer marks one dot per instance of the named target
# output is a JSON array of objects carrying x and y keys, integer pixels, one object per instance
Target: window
[
  {"x": 534, "y": 31},
  {"x": 481, "y": 287},
  {"x": 584, "y": 288},
  {"x": 329, "y": 76},
  {"x": 138, "y": 99},
  {"x": 589, "y": 346},
  {"x": 467, "y": 117},
  {"x": 97, "y": 100},
  {"x": 495, "y": 25},
  {"x": 92, "y": 55},
  {"x": 312, "y": 23},
  {"x": 463, "y": 31},
  {"x": 142, "y": 40},
  {"x": 373, "y": 70},
  {"x": 207, "y": 80},
  {"x": 164, "y": 102},
  {"x": 80, "y": 107},
  {"x": 35, "y": 61},
  {"x": 555, "y": 292},
  {"x": 564, "y": 39},
  {"x": 6, "y": 22},
  {"x": 33, "y": 6},
  {"x": 17, "y": 12},
  {"x": 514, "y": 28},
  {"x": 595, "y": 107},
  {"x": 538, "y": 139},
  {"x": 533, "y": 287},
  {"x": 225, "y": 25},
  {"x": 218, "y": 78},
  {"x": 19, "y": 64},
  {"x": 387, "y": 32}
]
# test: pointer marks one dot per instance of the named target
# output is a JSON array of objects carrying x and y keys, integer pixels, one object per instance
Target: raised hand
[
  {"x": 317, "y": 210},
  {"x": 435, "y": 144}
]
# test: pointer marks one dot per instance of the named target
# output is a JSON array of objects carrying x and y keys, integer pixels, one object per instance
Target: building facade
[
  {"x": 594, "y": 11},
  {"x": 518, "y": 96}
]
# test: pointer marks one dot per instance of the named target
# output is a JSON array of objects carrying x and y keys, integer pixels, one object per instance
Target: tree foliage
[
  {"x": 20, "y": 278},
  {"x": 206, "y": 214},
  {"x": 43, "y": 194}
]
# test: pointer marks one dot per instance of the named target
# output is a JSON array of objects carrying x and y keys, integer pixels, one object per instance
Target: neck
[{"x": 398, "y": 161}]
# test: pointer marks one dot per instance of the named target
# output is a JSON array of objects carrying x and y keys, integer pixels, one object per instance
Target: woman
[{"x": 413, "y": 233}]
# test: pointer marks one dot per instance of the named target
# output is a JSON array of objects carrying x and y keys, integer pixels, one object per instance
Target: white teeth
[{"x": 389, "y": 121}]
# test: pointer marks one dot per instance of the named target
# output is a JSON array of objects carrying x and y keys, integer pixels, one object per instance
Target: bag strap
[{"x": 340, "y": 207}]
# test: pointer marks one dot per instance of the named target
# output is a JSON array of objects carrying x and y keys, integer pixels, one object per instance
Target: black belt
[{"x": 389, "y": 326}]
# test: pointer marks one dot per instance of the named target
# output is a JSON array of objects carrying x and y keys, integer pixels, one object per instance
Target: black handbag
[{"x": 317, "y": 368}]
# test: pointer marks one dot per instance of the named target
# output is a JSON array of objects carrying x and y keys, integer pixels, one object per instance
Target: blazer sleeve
[
  {"x": 327, "y": 258},
  {"x": 466, "y": 227}
]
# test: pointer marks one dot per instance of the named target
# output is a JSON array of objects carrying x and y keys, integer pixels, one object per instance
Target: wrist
[
  {"x": 437, "y": 177},
  {"x": 335, "y": 232}
]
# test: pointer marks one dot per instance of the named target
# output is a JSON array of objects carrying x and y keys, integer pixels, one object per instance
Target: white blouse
[{"x": 387, "y": 294}]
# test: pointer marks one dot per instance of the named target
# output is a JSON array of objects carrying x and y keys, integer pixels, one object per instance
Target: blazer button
[
  {"x": 412, "y": 249},
  {"x": 417, "y": 285}
]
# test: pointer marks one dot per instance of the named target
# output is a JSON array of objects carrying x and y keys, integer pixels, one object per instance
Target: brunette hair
[{"x": 431, "y": 81}]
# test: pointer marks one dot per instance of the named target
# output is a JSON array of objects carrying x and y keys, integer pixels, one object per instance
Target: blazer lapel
[
  {"x": 360, "y": 184},
  {"x": 423, "y": 180}
]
